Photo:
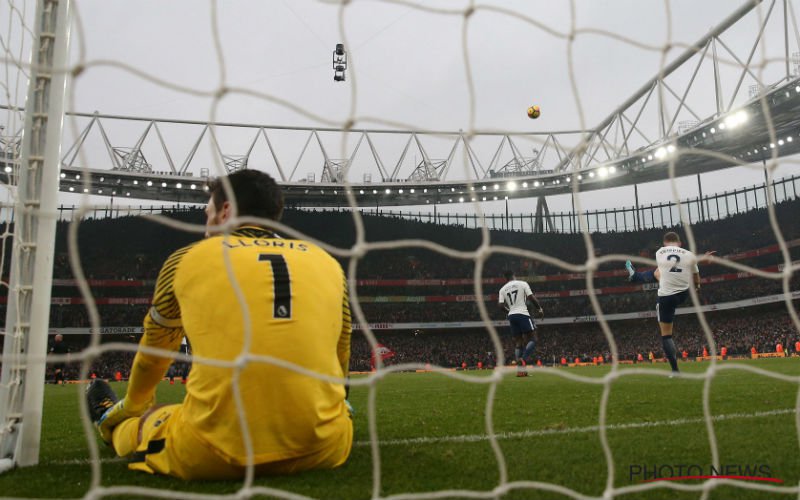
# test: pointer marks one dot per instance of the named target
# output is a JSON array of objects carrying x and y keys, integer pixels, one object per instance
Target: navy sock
[
  {"x": 670, "y": 351},
  {"x": 517, "y": 354},
  {"x": 528, "y": 350},
  {"x": 644, "y": 277}
]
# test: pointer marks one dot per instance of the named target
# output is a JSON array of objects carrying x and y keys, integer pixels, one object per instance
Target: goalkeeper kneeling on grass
[{"x": 298, "y": 311}]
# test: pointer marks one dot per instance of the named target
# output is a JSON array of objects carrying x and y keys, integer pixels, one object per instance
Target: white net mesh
[
  {"x": 15, "y": 43},
  {"x": 16, "y": 47},
  {"x": 15, "y": 62}
]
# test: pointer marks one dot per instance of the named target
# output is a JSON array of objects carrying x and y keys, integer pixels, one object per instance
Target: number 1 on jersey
[{"x": 281, "y": 285}]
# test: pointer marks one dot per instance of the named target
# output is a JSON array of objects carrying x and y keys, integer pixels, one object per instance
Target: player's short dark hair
[
  {"x": 509, "y": 275},
  {"x": 256, "y": 194},
  {"x": 672, "y": 237}
]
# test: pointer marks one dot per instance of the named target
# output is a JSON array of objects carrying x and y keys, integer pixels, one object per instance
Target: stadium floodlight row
[
  {"x": 715, "y": 144},
  {"x": 740, "y": 135}
]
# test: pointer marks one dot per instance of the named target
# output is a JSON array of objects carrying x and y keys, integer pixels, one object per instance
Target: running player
[
  {"x": 677, "y": 270},
  {"x": 247, "y": 293},
  {"x": 514, "y": 298}
]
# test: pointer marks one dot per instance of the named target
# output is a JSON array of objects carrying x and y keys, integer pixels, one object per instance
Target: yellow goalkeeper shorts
[{"x": 161, "y": 443}]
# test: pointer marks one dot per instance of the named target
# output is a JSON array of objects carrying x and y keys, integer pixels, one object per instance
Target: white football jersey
[
  {"x": 677, "y": 266},
  {"x": 515, "y": 295}
]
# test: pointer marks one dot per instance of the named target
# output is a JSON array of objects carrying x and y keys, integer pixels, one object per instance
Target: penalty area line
[{"x": 474, "y": 438}]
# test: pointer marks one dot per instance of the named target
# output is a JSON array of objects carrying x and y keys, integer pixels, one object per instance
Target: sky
[{"x": 406, "y": 67}]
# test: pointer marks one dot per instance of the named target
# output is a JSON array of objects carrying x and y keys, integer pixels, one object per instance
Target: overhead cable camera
[{"x": 339, "y": 63}]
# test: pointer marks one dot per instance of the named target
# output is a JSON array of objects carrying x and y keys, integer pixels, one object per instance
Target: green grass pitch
[{"x": 432, "y": 434}]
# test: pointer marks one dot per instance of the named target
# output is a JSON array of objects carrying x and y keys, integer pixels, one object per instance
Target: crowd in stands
[
  {"x": 132, "y": 249},
  {"x": 109, "y": 365},
  {"x": 405, "y": 312},
  {"x": 397, "y": 311},
  {"x": 738, "y": 331}
]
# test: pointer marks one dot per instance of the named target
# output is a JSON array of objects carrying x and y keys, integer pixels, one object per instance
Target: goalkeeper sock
[
  {"x": 670, "y": 351},
  {"x": 643, "y": 277},
  {"x": 529, "y": 350}
]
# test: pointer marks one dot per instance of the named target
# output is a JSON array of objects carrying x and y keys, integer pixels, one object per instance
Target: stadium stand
[{"x": 415, "y": 285}]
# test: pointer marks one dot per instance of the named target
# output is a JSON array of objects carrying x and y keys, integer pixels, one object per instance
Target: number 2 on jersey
[
  {"x": 675, "y": 268},
  {"x": 281, "y": 285}
]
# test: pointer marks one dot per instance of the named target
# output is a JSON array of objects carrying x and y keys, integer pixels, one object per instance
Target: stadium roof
[{"x": 739, "y": 137}]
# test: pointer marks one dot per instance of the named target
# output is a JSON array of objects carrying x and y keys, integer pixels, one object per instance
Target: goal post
[{"x": 35, "y": 201}]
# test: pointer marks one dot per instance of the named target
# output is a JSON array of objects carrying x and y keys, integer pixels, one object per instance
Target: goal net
[
  {"x": 35, "y": 60},
  {"x": 692, "y": 115}
]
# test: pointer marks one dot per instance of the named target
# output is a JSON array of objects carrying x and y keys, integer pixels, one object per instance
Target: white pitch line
[
  {"x": 83, "y": 461},
  {"x": 475, "y": 438}
]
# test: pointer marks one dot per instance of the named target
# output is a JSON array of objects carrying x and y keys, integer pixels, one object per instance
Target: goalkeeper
[{"x": 298, "y": 311}]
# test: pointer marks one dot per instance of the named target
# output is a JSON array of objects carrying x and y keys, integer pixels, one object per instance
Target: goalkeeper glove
[
  {"x": 117, "y": 414},
  {"x": 349, "y": 408}
]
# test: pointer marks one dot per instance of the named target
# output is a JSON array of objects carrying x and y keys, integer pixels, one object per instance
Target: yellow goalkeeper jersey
[{"x": 293, "y": 307}]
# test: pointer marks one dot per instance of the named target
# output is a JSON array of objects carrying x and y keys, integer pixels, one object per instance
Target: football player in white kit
[
  {"x": 677, "y": 270},
  {"x": 514, "y": 297}
]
